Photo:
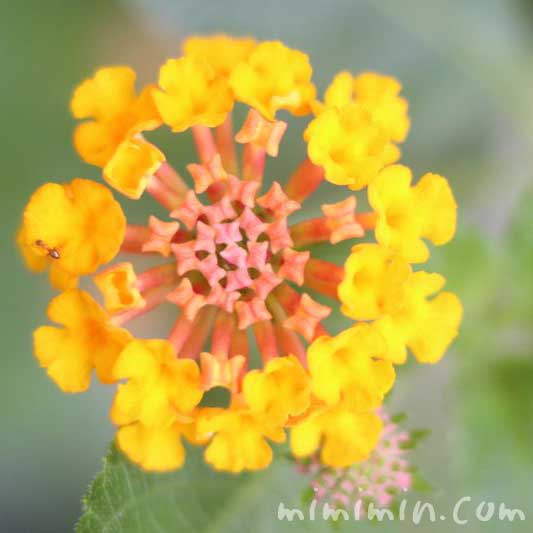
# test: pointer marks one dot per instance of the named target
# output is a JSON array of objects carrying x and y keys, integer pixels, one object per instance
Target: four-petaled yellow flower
[
  {"x": 192, "y": 93},
  {"x": 156, "y": 448},
  {"x": 223, "y": 53},
  {"x": 154, "y": 406},
  {"x": 235, "y": 269},
  {"x": 275, "y": 77},
  {"x": 75, "y": 228},
  {"x": 113, "y": 140},
  {"x": 88, "y": 340},
  {"x": 281, "y": 390},
  {"x": 240, "y": 437},
  {"x": 380, "y": 285},
  {"x": 376, "y": 93},
  {"x": 158, "y": 386},
  {"x": 426, "y": 326},
  {"x": 346, "y": 436},
  {"x": 351, "y": 368},
  {"x": 406, "y": 214},
  {"x": 350, "y": 145},
  {"x": 374, "y": 282}
]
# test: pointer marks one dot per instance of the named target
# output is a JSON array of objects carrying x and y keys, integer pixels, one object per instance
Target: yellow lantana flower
[
  {"x": 76, "y": 227},
  {"x": 239, "y": 442},
  {"x": 351, "y": 368},
  {"x": 221, "y": 51},
  {"x": 374, "y": 282},
  {"x": 132, "y": 165},
  {"x": 119, "y": 116},
  {"x": 155, "y": 448},
  {"x": 349, "y": 145},
  {"x": 275, "y": 77},
  {"x": 36, "y": 262},
  {"x": 378, "y": 94},
  {"x": 380, "y": 285},
  {"x": 158, "y": 386},
  {"x": 192, "y": 93},
  {"x": 87, "y": 341},
  {"x": 346, "y": 436},
  {"x": 109, "y": 99},
  {"x": 280, "y": 390},
  {"x": 268, "y": 398},
  {"x": 118, "y": 286},
  {"x": 425, "y": 326},
  {"x": 407, "y": 214}
]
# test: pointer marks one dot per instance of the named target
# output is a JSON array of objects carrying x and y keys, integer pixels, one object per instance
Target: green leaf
[
  {"x": 415, "y": 437},
  {"x": 123, "y": 498},
  {"x": 398, "y": 418},
  {"x": 420, "y": 484}
]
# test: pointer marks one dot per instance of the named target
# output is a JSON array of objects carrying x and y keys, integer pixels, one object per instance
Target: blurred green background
[{"x": 467, "y": 69}]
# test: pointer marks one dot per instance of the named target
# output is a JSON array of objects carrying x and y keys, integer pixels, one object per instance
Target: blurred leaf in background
[{"x": 467, "y": 71}]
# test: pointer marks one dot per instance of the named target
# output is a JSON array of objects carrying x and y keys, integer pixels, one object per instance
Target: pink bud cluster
[{"x": 379, "y": 479}]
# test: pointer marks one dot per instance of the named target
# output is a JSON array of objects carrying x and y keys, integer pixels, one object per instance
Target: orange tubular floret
[
  {"x": 367, "y": 220},
  {"x": 164, "y": 194},
  {"x": 180, "y": 333},
  {"x": 288, "y": 340},
  {"x": 154, "y": 298},
  {"x": 156, "y": 277},
  {"x": 321, "y": 229},
  {"x": 262, "y": 133},
  {"x": 200, "y": 331},
  {"x": 323, "y": 277},
  {"x": 311, "y": 231},
  {"x": 239, "y": 344},
  {"x": 307, "y": 317},
  {"x": 166, "y": 174},
  {"x": 289, "y": 300},
  {"x": 223, "y": 330},
  {"x": 253, "y": 163},
  {"x": 305, "y": 181},
  {"x": 219, "y": 371},
  {"x": 290, "y": 343},
  {"x": 205, "y": 143},
  {"x": 226, "y": 145},
  {"x": 119, "y": 287},
  {"x": 266, "y": 340},
  {"x": 135, "y": 238}
]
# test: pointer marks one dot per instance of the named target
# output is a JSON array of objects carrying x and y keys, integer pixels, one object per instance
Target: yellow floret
[
  {"x": 426, "y": 326},
  {"x": 349, "y": 145},
  {"x": 155, "y": 448},
  {"x": 351, "y": 368},
  {"x": 240, "y": 438},
  {"x": 275, "y": 77},
  {"x": 159, "y": 386},
  {"x": 131, "y": 166},
  {"x": 380, "y": 285},
  {"x": 347, "y": 436},
  {"x": 408, "y": 214},
  {"x": 109, "y": 99},
  {"x": 374, "y": 282},
  {"x": 87, "y": 341},
  {"x": 222, "y": 52},
  {"x": 192, "y": 93},
  {"x": 378, "y": 94},
  {"x": 280, "y": 390},
  {"x": 77, "y": 226}
]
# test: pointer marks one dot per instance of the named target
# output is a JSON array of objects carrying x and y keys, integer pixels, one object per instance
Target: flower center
[{"x": 237, "y": 249}]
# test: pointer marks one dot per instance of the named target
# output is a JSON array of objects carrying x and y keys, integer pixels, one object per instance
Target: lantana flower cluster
[{"x": 237, "y": 273}]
